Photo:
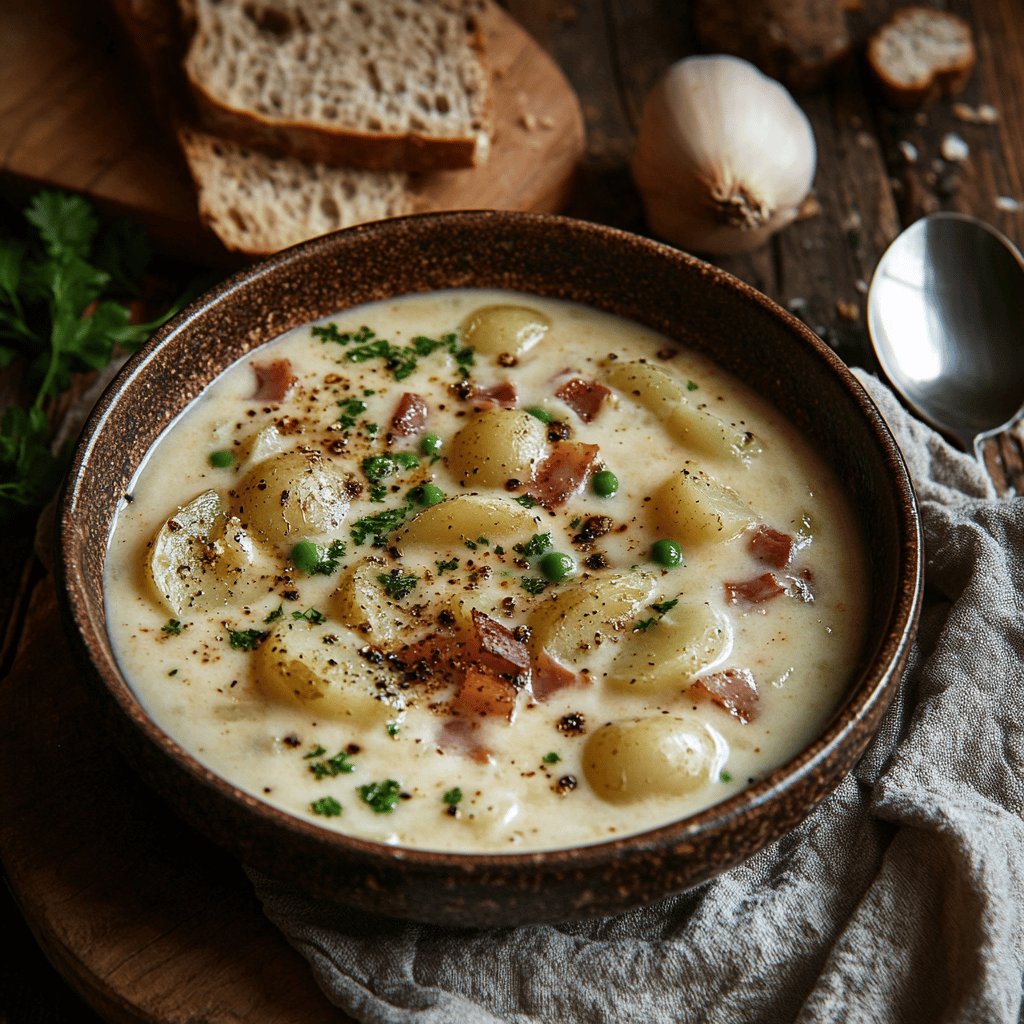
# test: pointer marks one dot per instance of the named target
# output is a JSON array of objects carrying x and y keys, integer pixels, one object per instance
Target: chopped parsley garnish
[
  {"x": 396, "y": 585},
  {"x": 535, "y": 546},
  {"x": 326, "y": 806},
  {"x": 276, "y": 614},
  {"x": 725, "y": 776},
  {"x": 533, "y": 584},
  {"x": 221, "y": 459},
  {"x": 317, "y": 561},
  {"x": 379, "y": 467},
  {"x": 378, "y": 492},
  {"x": 310, "y": 615},
  {"x": 379, "y": 524},
  {"x": 551, "y": 758},
  {"x": 246, "y": 639},
  {"x": 692, "y": 385},
  {"x": 526, "y": 500},
  {"x": 393, "y": 729},
  {"x": 331, "y": 766},
  {"x": 575, "y": 522},
  {"x": 317, "y": 751},
  {"x": 661, "y": 607},
  {"x": 400, "y": 361},
  {"x": 381, "y": 796},
  {"x": 448, "y": 565},
  {"x": 350, "y": 410},
  {"x": 453, "y": 796},
  {"x": 330, "y": 332},
  {"x": 538, "y": 413},
  {"x": 172, "y": 627}
]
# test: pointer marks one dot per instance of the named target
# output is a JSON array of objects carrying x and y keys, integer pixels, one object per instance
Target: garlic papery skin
[{"x": 724, "y": 156}]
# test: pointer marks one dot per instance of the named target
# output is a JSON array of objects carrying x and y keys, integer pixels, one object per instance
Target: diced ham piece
[
  {"x": 273, "y": 380},
  {"x": 497, "y": 649},
  {"x": 734, "y": 690},
  {"x": 584, "y": 397},
  {"x": 462, "y": 735},
  {"x": 410, "y": 416},
  {"x": 503, "y": 395},
  {"x": 485, "y": 693},
  {"x": 770, "y": 546},
  {"x": 550, "y": 676},
  {"x": 756, "y": 591},
  {"x": 563, "y": 473}
]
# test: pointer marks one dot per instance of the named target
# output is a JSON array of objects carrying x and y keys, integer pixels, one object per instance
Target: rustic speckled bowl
[{"x": 633, "y": 277}]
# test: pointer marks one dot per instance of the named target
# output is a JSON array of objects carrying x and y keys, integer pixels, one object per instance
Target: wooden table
[{"x": 865, "y": 191}]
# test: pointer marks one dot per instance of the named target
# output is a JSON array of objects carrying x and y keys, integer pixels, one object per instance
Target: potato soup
[{"x": 481, "y": 571}]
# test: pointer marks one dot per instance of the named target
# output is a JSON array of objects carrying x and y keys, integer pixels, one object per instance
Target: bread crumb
[
  {"x": 847, "y": 310},
  {"x": 908, "y": 151},
  {"x": 954, "y": 149},
  {"x": 810, "y": 207}
]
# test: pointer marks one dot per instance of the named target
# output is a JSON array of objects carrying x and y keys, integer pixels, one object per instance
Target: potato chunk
[
  {"x": 501, "y": 330},
  {"x": 319, "y": 666},
  {"x": 630, "y": 760},
  {"x": 497, "y": 445},
  {"x": 293, "y": 495},
  {"x": 694, "y": 508},
  {"x": 579, "y": 618},
  {"x": 695, "y": 427},
  {"x": 362, "y": 603},
  {"x": 451, "y": 523},
  {"x": 202, "y": 558},
  {"x": 686, "y": 641}
]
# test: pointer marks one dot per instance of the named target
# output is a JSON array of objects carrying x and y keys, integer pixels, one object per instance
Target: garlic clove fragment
[{"x": 723, "y": 157}]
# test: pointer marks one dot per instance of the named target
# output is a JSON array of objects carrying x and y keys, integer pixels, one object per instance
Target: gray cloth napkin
[{"x": 900, "y": 899}]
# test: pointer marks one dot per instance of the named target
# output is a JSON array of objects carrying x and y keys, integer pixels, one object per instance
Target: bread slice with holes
[
  {"x": 257, "y": 204},
  {"x": 254, "y": 203},
  {"x": 920, "y": 53},
  {"x": 379, "y": 84}
]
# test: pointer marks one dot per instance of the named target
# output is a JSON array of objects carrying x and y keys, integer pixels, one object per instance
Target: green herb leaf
[
  {"x": 551, "y": 758},
  {"x": 331, "y": 766},
  {"x": 535, "y": 546},
  {"x": 396, "y": 585},
  {"x": 381, "y": 796},
  {"x": 326, "y": 806},
  {"x": 172, "y": 627},
  {"x": 453, "y": 796},
  {"x": 276, "y": 614},
  {"x": 310, "y": 615},
  {"x": 379, "y": 524},
  {"x": 246, "y": 639}
]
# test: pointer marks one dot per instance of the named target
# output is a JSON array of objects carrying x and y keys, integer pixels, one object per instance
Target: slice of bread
[
  {"x": 380, "y": 84},
  {"x": 920, "y": 53},
  {"x": 257, "y": 204}
]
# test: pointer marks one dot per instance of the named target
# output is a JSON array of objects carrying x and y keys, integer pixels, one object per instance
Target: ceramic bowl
[{"x": 633, "y": 277}]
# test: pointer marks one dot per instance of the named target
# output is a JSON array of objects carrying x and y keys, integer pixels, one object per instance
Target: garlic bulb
[{"x": 723, "y": 157}]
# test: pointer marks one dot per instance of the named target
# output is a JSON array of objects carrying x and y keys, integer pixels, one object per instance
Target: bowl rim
[{"x": 876, "y": 684}]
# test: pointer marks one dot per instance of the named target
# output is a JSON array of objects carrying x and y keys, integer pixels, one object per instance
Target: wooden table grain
[{"x": 865, "y": 190}]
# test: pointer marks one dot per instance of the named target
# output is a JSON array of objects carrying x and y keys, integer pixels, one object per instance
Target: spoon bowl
[{"x": 945, "y": 314}]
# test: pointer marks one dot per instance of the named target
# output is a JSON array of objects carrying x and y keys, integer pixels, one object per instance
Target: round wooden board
[
  {"x": 128, "y": 164},
  {"x": 145, "y": 918}
]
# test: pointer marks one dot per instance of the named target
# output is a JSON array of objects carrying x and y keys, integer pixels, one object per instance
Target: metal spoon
[{"x": 946, "y": 318}]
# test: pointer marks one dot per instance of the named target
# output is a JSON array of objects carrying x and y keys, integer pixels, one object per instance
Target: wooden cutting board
[{"x": 73, "y": 115}]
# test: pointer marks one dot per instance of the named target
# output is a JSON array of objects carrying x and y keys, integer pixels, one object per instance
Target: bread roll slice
[
  {"x": 378, "y": 84},
  {"x": 920, "y": 53},
  {"x": 257, "y": 204}
]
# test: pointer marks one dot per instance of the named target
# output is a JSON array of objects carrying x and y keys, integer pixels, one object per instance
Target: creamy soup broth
[{"x": 483, "y": 571}]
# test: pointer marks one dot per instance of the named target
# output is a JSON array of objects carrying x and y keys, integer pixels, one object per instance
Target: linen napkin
[{"x": 900, "y": 899}]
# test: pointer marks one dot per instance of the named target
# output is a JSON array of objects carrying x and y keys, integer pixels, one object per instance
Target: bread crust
[{"x": 941, "y": 78}]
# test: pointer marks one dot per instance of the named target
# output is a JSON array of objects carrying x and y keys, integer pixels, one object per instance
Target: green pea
[
  {"x": 305, "y": 556},
  {"x": 556, "y": 566},
  {"x": 605, "y": 483},
  {"x": 667, "y": 553},
  {"x": 541, "y": 414},
  {"x": 431, "y": 446},
  {"x": 429, "y": 494},
  {"x": 221, "y": 459}
]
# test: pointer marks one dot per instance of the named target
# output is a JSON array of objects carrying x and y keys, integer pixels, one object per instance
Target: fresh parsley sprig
[{"x": 56, "y": 319}]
